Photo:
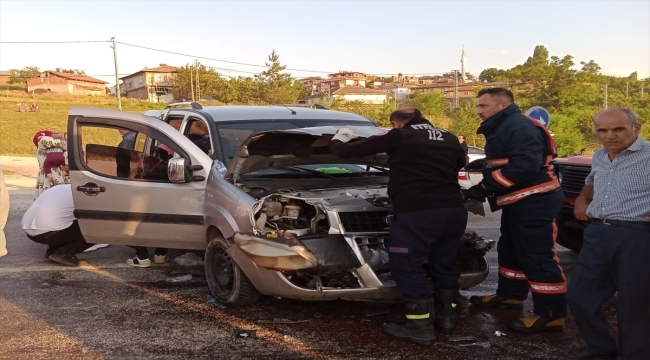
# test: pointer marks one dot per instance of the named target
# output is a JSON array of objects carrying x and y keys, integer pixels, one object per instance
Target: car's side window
[
  {"x": 119, "y": 152},
  {"x": 197, "y": 131}
]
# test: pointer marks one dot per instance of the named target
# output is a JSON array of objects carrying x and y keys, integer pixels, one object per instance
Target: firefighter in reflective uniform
[
  {"x": 518, "y": 178},
  {"x": 429, "y": 217}
]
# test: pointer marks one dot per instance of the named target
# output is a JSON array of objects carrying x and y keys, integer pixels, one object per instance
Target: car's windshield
[{"x": 233, "y": 133}]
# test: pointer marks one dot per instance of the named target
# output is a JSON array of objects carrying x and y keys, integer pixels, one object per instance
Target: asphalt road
[{"x": 107, "y": 310}]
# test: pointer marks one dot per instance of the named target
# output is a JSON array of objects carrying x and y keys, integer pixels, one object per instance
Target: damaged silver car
[{"x": 275, "y": 211}]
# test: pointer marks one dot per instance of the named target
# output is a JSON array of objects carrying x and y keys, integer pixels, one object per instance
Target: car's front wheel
[{"x": 226, "y": 280}]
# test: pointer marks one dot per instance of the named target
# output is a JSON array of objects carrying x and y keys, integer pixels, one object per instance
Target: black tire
[
  {"x": 569, "y": 237},
  {"x": 227, "y": 282}
]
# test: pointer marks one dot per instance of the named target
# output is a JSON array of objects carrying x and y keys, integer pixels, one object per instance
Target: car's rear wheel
[{"x": 226, "y": 280}]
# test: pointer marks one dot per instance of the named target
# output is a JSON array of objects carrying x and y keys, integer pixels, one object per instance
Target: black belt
[{"x": 642, "y": 225}]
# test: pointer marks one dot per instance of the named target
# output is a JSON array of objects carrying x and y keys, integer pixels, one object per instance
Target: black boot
[
  {"x": 418, "y": 327},
  {"x": 445, "y": 302}
]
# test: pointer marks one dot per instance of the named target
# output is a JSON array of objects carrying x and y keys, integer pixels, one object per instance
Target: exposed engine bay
[
  {"x": 318, "y": 239},
  {"x": 279, "y": 213}
]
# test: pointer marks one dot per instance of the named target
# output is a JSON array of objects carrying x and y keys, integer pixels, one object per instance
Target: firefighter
[
  {"x": 429, "y": 217},
  {"x": 518, "y": 178}
]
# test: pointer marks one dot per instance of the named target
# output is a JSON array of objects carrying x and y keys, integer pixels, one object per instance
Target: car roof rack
[
  {"x": 194, "y": 105},
  {"x": 315, "y": 106}
]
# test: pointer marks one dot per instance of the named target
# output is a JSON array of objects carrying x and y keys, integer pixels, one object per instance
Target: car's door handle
[{"x": 91, "y": 189}]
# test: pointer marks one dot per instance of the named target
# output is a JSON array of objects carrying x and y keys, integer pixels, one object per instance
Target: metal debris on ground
[
  {"x": 246, "y": 333},
  {"x": 181, "y": 278},
  {"x": 188, "y": 259},
  {"x": 499, "y": 333},
  {"x": 484, "y": 344},
  {"x": 282, "y": 321},
  {"x": 376, "y": 311},
  {"x": 462, "y": 339}
]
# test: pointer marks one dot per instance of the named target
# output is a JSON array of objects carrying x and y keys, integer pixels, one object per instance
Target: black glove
[{"x": 478, "y": 192}]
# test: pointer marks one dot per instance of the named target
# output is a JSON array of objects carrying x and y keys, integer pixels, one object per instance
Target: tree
[
  {"x": 21, "y": 76},
  {"x": 465, "y": 121},
  {"x": 275, "y": 86},
  {"x": 492, "y": 74},
  {"x": 431, "y": 105},
  {"x": 70, "y": 71}
]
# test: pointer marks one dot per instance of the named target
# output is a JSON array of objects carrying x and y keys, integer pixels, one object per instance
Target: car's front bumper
[{"x": 371, "y": 288}]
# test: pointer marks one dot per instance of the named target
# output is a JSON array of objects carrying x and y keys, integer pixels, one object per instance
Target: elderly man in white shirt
[{"x": 50, "y": 220}]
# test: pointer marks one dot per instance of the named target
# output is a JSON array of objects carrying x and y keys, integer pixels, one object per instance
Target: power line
[
  {"x": 247, "y": 64},
  {"x": 197, "y": 57},
  {"x": 218, "y": 60},
  {"x": 55, "y": 42}
]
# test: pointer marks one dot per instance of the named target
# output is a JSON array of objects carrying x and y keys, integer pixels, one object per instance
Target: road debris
[
  {"x": 376, "y": 311},
  {"x": 181, "y": 278},
  {"x": 462, "y": 339},
  {"x": 246, "y": 333},
  {"x": 499, "y": 333},
  {"x": 484, "y": 344},
  {"x": 188, "y": 259}
]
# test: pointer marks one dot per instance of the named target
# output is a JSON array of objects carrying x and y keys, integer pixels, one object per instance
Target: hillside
[{"x": 17, "y": 129}]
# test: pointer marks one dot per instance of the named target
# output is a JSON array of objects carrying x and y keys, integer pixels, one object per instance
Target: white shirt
[{"x": 51, "y": 211}]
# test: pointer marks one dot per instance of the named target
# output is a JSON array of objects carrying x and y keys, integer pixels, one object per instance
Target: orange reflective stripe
[
  {"x": 520, "y": 194},
  {"x": 496, "y": 162},
  {"x": 548, "y": 288},
  {"x": 498, "y": 176},
  {"x": 551, "y": 140},
  {"x": 512, "y": 274},
  {"x": 555, "y": 255}
]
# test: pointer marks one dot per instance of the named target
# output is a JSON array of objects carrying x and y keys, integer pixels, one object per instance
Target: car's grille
[
  {"x": 573, "y": 178},
  {"x": 367, "y": 243},
  {"x": 364, "y": 221}
]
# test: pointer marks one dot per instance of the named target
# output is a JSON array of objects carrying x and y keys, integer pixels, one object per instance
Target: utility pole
[
  {"x": 192, "y": 81},
  {"x": 641, "y": 92},
  {"x": 605, "y": 100},
  {"x": 117, "y": 78},
  {"x": 455, "y": 105},
  {"x": 627, "y": 89},
  {"x": 198, "y": 84}
]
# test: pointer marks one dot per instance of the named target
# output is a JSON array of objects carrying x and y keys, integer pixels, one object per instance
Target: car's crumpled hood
[{"x": 294, "y": 147}]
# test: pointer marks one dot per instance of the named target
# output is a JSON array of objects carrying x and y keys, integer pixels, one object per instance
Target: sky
[{"x": 370, "y": 36}]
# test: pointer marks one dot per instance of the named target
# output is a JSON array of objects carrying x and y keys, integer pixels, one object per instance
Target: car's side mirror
[{"x": 177, "y": 170}]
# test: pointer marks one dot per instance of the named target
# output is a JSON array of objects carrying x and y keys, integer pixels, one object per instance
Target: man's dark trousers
[
  {"x": 527, "y": 256},
  {"x": 66, "y": 241},
  {"x": 613, "y": 258},
  {"x": 431, "y": 235}
]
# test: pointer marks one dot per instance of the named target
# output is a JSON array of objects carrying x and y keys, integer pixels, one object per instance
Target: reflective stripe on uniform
[
  {"x": 498, "y": 176},
  {"x": 496, "y": 162},
  {"x": 535, "y": 189},
  {"x": 417, "y": 317},
  {"x": 512, "y": 274},
  {"x": 548, "y": 288}
]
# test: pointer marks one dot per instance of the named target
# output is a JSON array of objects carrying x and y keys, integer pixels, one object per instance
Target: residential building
[
  {"x": 314, "y": 99},
  {"x": 66, "y": 83},
  {"x": 348, "y": 93},
  {"x": 311, "y": 84},
  {"x": 400, "y": 91},
  {"x": 406, "y": 79},
  {"x": 339, "y": 80},
  {"x": 359, "y": 93},
  {"x": 465, "y": 91},
  {"x": 154, "y": 84},
  {"x": 4, "y": 77}
]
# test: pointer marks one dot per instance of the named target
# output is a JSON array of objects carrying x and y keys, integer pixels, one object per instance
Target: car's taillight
[{"x": 463, "y": 175}]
